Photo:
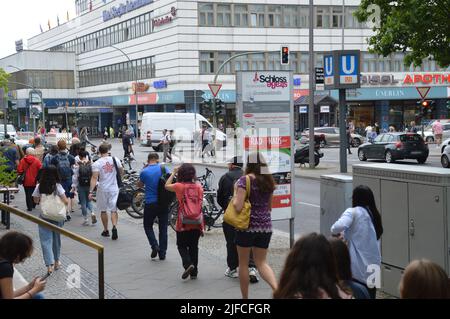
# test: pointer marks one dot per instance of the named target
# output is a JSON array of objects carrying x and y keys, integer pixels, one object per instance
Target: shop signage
[
  {"x": 378, "y": 79},
  {"x": 303, "y": 110},
  {"x": 265, "y": 86},
  {"x": 427, "y": 78},
  {"x": 325, "y": 109},
  {"x": 124, "y": 8},
  {"x": 320, "y": 76},
  {"x": 165, "y": 20},
  {"x": 297, "y": 82},
  {"x": 140, "y": 87},
  {"x": 160, "y": 84}
]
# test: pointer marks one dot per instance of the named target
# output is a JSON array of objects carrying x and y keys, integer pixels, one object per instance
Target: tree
[
  {"x": 7, "y": 177},
  {"x": 4, "y": 80},
  {"x": 418, "y": 27}
]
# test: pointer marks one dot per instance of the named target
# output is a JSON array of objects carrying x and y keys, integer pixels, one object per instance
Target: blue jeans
[
  {"x": 86, "y": 204},
  {"x": 38, "y": 296},
  {"x": 50, "y": 243},
  {"x": 150, "y": 213}
]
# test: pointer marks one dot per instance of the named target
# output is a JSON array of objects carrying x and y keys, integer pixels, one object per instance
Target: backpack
[
  {"x": 191, "y": 206},
  {"x": 165, "y": 198},
  {"x": 85, "y": 174},
  {"x": 63, "y": 166}
]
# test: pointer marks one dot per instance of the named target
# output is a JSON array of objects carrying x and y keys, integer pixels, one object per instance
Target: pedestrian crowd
[{"x": 316, "y": 267}]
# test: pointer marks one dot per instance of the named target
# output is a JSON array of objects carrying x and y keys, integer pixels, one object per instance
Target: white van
[
  {"x": 184, "y": 126},
  {"x": 11, "y": 130}
]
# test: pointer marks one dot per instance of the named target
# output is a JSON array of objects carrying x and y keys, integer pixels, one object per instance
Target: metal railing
[{"x": 100, "y": 249}]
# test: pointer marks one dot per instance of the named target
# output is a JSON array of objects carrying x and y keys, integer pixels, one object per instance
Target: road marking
[{"x": 308, "y": 204}]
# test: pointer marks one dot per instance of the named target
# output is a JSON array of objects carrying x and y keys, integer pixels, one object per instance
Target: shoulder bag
[
  {"x": 53, "y": 207},
  {"x": 125, "y": 198},
  {"x": 240, "y": 220}
]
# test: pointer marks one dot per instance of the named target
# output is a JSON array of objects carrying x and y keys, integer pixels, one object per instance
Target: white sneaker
[
  {"x": 231, "y": 273},
  {"x": 253, "y": 273},
  {"x": 86, "y": 222}
]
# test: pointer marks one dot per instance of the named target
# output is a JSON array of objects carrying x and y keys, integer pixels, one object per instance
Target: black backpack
[
  {"x": 165, "y": 198},
  {"x": 85, "y": 174}
]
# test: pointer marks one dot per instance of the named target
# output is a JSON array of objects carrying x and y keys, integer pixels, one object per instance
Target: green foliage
[
  {"x": 419, "y": 27},
  {"x": 6, "y": 178},
  {"x": 4, "y": 80}
]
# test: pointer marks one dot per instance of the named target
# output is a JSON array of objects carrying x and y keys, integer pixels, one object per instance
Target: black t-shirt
[{"x": 6, "y": 271}]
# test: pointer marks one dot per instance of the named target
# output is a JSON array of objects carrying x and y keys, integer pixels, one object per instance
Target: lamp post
[
  {"x": 311, "y": 111},
  {"x": 134, "y": 75},
  {"x": 33, "y": 90}
]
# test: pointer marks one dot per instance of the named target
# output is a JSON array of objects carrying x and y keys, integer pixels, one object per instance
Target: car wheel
[
  {"x": 445, "y": 162},
  {"x": 430, "y": 139},
  {"x": 362, "y": 156},
  {"x": 421, "y": 160},
  {"x": 356, "y": 142},
  {"x": 388, "y": 157}
]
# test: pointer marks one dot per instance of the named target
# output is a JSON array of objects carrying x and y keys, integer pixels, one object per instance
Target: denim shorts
[{"x": 253, "y": 239}]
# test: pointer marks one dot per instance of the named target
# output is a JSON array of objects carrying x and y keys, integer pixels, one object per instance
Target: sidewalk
[{"x": 129, "y": 272}]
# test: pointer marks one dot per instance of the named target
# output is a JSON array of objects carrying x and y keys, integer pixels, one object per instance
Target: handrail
[{"x": 100, "y": 248}]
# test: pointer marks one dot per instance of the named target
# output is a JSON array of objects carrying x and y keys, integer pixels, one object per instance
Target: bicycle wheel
[
  {"x": 138, "y": 203},
  {"x": 173, "y": 215}
]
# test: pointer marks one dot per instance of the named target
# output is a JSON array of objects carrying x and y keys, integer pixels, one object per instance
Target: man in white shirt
[
  {"x": 105, "y": 173},
  {"x": 165, "y": 141}
]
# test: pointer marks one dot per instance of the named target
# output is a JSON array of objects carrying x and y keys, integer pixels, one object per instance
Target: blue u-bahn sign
[{"x": 342, "y": 70}]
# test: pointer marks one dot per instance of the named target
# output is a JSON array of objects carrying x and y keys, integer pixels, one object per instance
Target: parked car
[
  {"x": 445, "y": 153},
  {"x": 332, "y": 136},
  {"x": 395, "y": 146}
]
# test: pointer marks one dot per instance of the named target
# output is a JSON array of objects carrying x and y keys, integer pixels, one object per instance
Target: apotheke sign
[
  {"x": 124, "y": 8},
  {"x": 404, "y": 79}
]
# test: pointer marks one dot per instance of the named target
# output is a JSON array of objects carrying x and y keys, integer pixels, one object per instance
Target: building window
[
  {"x": 257, "y": 15},
  {"x": 337, "y": 17},
  {"x": 323, "y": 17},
  {"x": 240, "y": 15},
  {"x": 223, "y": 15},
  {"x": 258, "y": 61},
  {"x": 222, "y": 57},
  {"x": 206, "y": 13},
  {"x": 274, "y": 16},
  {"x": 207, "y": 63},
  {"x": 350, "y": 20},
  {"x": 242, "y": 63}
]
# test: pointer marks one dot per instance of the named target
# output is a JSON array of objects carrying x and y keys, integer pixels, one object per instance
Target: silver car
[{"x": 332, "y": 136}]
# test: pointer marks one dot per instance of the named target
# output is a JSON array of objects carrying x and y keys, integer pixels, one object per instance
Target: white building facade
[{"x": 174, "y": 48}]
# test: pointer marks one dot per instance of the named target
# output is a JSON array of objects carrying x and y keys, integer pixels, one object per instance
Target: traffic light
[
  {"x": 448, "y": 104},
  {"x": 284, "y": 55},
  {"x": 220, "y": 106},
  {"x": 427, "y": 107}
]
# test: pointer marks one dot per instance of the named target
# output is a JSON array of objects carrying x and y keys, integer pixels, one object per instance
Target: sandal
[{"x": 57, "y": 265}]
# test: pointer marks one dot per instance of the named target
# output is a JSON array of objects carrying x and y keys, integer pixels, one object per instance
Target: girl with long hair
[
  {"x": 310, "y": 271},
  {"x": 257, "y": 237},
  {"x": 50, "y": 241},
  {"x": 361, "y": 227}
]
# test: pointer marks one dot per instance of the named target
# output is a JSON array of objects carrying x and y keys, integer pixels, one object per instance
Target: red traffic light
[
  {"x": 284, "y": 55},
  {"x": 425, "y": 104}
]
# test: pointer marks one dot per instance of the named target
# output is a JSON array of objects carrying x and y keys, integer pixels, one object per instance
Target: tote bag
[
  {"x": 53, "y": 208},
  {"x": 240, "y": 220}
]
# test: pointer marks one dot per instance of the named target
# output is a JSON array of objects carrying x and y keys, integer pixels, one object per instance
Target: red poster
[
  {"x": 282, "y": 201},
  {"x": 267, "y": 143}
]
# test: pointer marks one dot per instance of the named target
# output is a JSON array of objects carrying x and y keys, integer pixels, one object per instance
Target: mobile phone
[{"x": 45, "y": 276}]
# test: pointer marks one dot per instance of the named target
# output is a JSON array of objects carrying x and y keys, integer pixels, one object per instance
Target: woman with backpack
[
  {"x": 257, "y": 237},
  {"x": 52, "y": 199},
  {"x": 29, "y": 166},
  {"x": 81, "y": 181},
  {"x": 190, "y": 223},
  {"x": 361, "y": 227}
]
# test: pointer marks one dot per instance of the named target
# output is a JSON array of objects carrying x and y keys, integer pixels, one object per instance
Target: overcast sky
[{"x": 20, "y": 19}]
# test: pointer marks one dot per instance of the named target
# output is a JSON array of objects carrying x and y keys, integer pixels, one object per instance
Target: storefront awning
[{"x": 318, "y": 100}]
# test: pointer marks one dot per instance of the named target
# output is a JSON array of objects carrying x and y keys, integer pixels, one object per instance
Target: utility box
[
  {"x": 414, "y": 202},
  {"x": 335, "y": 197}
]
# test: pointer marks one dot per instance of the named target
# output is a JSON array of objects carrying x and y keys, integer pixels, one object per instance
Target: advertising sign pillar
[{"x": 265, "y": 110}]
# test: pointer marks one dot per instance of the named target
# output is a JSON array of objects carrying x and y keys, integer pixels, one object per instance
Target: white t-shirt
[
  {"x": 107, "y": 181},
  {"x": 59, "y": 191}
]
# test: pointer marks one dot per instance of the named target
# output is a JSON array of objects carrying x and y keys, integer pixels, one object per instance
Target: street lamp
[
  {"x": 135, "y": 88},
  {"x": 33, "y": 90}
]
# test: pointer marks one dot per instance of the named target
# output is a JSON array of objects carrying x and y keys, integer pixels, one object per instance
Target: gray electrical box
[
  {"x": 414, "y": 202},
  {"x": 335, "y": 197}
]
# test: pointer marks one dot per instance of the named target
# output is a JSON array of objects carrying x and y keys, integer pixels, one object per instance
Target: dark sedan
[{"x": 395, "y": 146}]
